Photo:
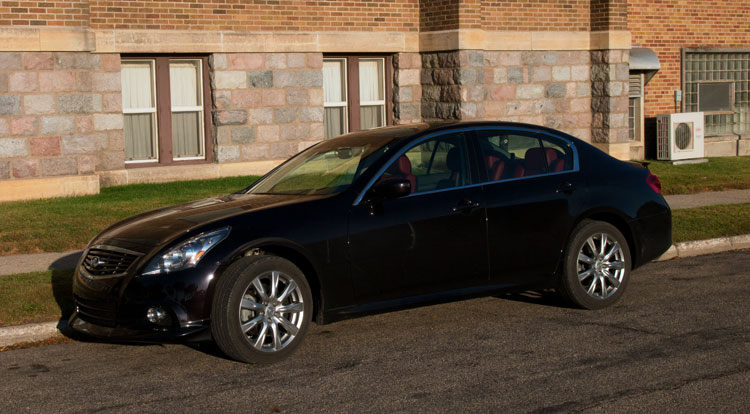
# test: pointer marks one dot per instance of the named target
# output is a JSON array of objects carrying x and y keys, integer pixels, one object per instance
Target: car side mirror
[{"x": 390, "y": 188}]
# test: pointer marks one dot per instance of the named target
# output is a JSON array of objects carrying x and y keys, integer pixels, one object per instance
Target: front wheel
[
  {"x": 261, "y": 310},
  {"x": 597, "y": 266}
]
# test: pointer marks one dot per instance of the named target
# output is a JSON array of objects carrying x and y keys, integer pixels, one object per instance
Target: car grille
[
  {"x": 100, "y": 262},
  {"x": 97, "y": 312}
]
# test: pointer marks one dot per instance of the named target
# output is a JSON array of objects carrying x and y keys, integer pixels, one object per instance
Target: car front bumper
[
  {"x": 193, "y": 333},
  {"x": 116, "y": 308}
]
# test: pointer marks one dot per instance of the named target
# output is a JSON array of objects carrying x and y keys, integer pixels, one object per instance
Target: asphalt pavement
[{"x": 677, "y": 342}]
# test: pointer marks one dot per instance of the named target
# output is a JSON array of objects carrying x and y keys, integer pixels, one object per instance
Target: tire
[
  {"x": 590, "y": 279},
  {"x": 254, "y": 327}
]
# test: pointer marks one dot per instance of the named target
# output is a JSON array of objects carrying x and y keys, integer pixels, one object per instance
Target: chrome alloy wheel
[
  {"x": 271, "y": 311},
  {"x": 600, "y": 266}
]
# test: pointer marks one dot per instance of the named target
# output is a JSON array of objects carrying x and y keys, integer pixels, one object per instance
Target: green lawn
[
  {"x": 61, "y": 224},
  {"x": 724, "y": 173},
  {"x": 35, "y": 297},
  {"x": 710, "y": 222}
]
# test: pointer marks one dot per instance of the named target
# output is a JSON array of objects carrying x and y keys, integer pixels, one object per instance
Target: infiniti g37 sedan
[{"x": 375, "y": 221}]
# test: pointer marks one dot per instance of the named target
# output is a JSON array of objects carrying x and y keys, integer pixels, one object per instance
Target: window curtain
[
  {"x": 333, "y": 84},
  {"x": 137, "y": 96},
  {"x": 333, "y": 121},
  {"x": 137, "y": 130},
  {"x": 186, "y": 118},
  {"x": 371, "y": 90},
  {"x": 334, "y": 93}
]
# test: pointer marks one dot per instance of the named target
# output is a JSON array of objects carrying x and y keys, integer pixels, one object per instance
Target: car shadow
[{"x": 545, "y": 297}]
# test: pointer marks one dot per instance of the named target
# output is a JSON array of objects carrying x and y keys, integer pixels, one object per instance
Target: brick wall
[
  {"x": 259, "y": 15},
  {"x": 267, "y": 106},
  {"x": 435, "y": 15},
  {"x": 559, "y": 15},
  {"x": 60, "y": 114},
  {"x": 609, "y": 15},
  {"x": 668, "y": 25},
  {"x": 44, "y": 13}
]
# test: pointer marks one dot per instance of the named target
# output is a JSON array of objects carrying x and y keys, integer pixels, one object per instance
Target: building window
[
  {"x": 717, "y": 83},
  {"x": 635, "y": 113},
  {"x": 357, "y": 94},
  {"x": 165, "y": 109}
]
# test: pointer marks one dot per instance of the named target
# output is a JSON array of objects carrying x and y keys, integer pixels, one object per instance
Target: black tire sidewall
[
  {"x": 572, "y": 289},
  {"x": 231, "y": 287}
]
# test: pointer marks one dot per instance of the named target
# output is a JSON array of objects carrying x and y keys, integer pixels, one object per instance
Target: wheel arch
[
  {"x": 293, "y": 252},
  {"x": 621, "y": 223}
]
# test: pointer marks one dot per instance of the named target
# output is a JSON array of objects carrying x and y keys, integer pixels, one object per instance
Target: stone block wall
[
  {"x": 60, "y": 114},
  {"x": 407, "y": 88},
  {"x": 266, "y": 105},
  {"x": 441, "y": 86},
  {"x": 544, "y": 88},
  {"x": 609, "y": 96}
]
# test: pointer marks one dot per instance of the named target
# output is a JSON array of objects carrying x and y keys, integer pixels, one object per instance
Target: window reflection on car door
[
  {"x": 532, "y": 188},
  {"x": 430, "y": 240}
]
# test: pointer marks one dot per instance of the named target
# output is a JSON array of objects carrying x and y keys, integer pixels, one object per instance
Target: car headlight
[{"x": 186, "y": 254}]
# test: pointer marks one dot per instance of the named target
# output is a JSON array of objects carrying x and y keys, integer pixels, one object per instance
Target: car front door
[
  {"x": 431, "y": 240},
  {"x": 533, "y": 189}
]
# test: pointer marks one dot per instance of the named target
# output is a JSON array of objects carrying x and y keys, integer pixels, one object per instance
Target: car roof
[{"x": 398, "y": 132}]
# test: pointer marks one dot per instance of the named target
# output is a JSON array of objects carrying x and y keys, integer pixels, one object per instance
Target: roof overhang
[{"x": 643, "y": 59}]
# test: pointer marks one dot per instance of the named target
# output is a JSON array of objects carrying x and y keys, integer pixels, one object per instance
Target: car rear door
[
  {"x": 533, "y": 190},
  {"x": 431, "y": 240}
]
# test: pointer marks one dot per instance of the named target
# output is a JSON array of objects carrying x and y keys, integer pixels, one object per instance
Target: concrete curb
[
  {"x": 701, "y": 247},
  {"x": 12, "y": 335}
]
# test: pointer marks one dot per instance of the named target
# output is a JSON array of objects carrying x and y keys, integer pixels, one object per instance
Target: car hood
[{"x": 142, "y": 232}]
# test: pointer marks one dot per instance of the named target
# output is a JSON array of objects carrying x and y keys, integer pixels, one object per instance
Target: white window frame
[
  {"x": 152, "y": 111},
  {"x": 199, "y": 108},
  {"x": 345, "y": 88}
]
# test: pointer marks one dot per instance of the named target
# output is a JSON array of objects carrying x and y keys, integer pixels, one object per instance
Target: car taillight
[{"x": 653, "y": 182}]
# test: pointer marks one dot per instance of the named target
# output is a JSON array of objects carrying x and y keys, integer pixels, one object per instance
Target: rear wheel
[
  {"x": 597, "y": 266},
  {"x": 262, "y": 309}
]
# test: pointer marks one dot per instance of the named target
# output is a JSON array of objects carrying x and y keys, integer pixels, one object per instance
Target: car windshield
[{"x": 327, "y": 168}]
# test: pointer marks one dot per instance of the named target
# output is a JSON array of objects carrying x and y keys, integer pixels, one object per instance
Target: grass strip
[
  {"x": 722, "y": 173},
  {"x": 710, "y": 222},
  {"x": 62, "y": 224},
  {"x": 35, "y": 297}
]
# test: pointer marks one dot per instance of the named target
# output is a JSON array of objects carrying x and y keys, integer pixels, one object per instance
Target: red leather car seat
[{"x": 402, "y": 168}]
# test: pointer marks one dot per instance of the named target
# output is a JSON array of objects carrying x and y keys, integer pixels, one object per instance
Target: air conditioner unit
[{"x": 679, "y": 136}]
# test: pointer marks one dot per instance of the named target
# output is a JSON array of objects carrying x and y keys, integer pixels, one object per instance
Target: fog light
[{"x": 158, "y": 315}]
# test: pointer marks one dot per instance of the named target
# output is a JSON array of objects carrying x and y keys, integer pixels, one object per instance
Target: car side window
[
  {"x": 434, "y": 164},
  {"x": 515, "y": 154}
]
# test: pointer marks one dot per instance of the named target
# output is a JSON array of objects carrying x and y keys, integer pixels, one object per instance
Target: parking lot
[{"x": 678, "y": 341}]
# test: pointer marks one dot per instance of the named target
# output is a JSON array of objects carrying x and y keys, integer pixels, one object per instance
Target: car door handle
[
  {"x": 464, "y": 205},
  {"x": 566, "y": 188}
]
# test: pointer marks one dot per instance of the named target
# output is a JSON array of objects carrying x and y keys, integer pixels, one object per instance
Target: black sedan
[{"x": 376, "y": 221}]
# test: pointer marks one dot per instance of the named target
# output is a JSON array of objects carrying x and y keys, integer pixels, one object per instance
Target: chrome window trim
[{"x": 401, "y": 152}]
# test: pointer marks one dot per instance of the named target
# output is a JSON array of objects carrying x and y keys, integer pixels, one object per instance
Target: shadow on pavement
[{"x": 546, "y": 297}]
